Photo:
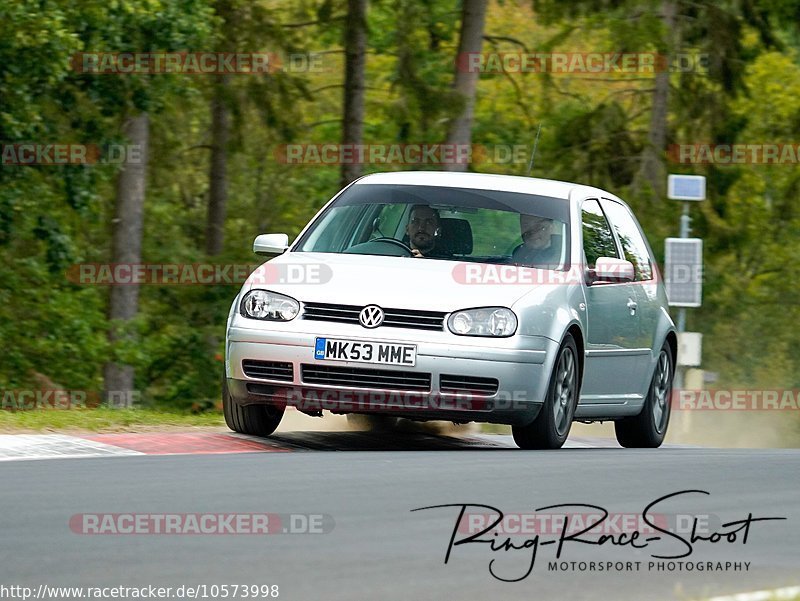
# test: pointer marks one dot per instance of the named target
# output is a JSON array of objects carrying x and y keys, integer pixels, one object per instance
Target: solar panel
[
  {"x": 683, "y": 271},
  {"x": 686, "y": 187}
]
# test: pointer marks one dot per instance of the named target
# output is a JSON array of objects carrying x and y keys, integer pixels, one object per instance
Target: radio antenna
[{"x": 533, "y": 154}]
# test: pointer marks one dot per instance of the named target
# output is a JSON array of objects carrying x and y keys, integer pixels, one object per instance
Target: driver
[{"x": 423, "y": 229}]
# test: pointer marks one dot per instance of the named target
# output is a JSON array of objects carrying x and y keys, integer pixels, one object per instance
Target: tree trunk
[
  {"x": 218, "y": 170},
  {"x": 355, "y": 47},
  {"x": 126, "y": 247},
  {"x": 652, "y": 167},
  {"x": 473, "y": 16}
]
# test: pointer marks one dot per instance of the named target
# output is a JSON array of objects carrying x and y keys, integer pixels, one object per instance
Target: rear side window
[
  {"x": 631, "y": 239},
  {"x": 598, "y": 241}
]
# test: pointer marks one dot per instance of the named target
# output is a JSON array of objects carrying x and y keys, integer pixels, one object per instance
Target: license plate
[{"x": 386, "y": 353}]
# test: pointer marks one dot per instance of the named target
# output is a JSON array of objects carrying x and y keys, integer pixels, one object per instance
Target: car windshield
[{"x": 456, "y": 224}]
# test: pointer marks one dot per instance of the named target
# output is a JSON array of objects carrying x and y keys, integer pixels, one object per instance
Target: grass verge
[{"x": 104, "y": 419}]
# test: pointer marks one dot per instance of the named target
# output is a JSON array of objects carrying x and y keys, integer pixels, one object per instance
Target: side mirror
[
  {"x": 270, "y": 244},
  {"x": 608, "y": 269}
]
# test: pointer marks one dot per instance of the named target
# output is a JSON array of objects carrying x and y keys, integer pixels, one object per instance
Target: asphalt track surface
[{"x": 366, "y": 484}]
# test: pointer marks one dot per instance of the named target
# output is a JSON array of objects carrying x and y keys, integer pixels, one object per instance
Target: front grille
[
  {"x": 358, "y": 377},
  {"x": 470, "y": 384},
  {"x": 268, "y": 370},
  {"x": 394, "y": 318}
]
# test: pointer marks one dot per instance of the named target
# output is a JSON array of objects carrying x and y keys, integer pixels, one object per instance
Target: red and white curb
[{"x": 16, "y": 447}]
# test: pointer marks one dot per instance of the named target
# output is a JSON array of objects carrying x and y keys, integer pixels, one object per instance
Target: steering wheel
[{"x": 395, "y": 242}]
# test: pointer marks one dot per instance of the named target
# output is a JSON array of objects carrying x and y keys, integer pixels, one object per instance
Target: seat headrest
[{"x": 455, "y": 236}]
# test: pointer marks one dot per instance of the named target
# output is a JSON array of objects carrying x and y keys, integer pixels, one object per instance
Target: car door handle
[{"x": 632, "y": 305}]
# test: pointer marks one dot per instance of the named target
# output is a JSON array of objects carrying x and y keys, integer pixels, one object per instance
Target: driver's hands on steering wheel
[
  {"x": 396, "y": 242},
  {"x": 415, "y": 253}
]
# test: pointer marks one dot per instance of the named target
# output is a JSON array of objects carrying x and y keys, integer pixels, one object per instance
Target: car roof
[{"x": 484, "y": 181}]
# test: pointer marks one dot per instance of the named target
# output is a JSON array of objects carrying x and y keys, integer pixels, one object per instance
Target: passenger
[{"x": 537, "y": 248}]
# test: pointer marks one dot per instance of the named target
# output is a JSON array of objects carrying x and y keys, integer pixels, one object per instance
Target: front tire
[
  {"x": 551, "y": 427},
  {"x": 257, "y": 420},
  {"x": 648, "y": 429}
]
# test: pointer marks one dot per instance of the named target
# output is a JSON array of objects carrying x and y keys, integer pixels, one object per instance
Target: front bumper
[{"x": 520, "y": 364}]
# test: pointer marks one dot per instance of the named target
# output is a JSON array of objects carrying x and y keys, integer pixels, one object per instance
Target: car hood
[{"x": 424, "y": 284}]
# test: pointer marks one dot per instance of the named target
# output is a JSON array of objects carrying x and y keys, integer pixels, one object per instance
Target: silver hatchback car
[{"x": 458, "y": 297}]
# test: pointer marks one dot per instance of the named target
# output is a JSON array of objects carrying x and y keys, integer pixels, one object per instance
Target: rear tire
[
  {"x": 551, "y": 427},
  {"x": 258, "y": 420},
  {"x": 648, "y": 429}
]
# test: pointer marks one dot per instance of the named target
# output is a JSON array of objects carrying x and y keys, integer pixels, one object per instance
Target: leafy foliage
[{"x": 594, "y": 131}]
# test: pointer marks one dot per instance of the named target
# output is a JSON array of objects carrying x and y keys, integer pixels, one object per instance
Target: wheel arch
[
  {"x": 672, "y": 340},
  {"x": 577, "y": 335}
]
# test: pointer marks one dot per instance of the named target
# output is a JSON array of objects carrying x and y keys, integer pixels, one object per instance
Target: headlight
[
  {"x": 489, "y": 321},
  {"x": 270, "y": 306}
]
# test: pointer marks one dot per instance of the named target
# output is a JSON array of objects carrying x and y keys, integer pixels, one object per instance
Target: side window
[
  {"x": 631, "y": 239},
  {"x": 391, "y": 221},
  {"x": 598, "y": 241}
]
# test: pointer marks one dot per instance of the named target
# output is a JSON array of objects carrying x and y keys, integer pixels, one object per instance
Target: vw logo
[{"x": 371, "y": 316}]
